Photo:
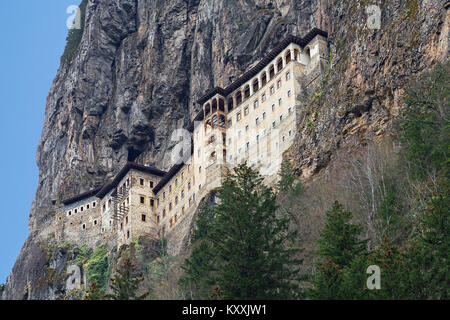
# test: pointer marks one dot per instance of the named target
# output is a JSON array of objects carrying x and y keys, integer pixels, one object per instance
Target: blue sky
[{"x": 32, "y": 43}]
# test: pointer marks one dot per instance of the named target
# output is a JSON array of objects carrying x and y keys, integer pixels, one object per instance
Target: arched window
[
  {"x": 264, "y": 78},
  {"x": 214, "y": 106},
  {"x": 255, "y": 85},
  {"x": 221, "y": 105},
  {"x": 238, "y": 98},
  {"x": 288, "y": 56},
  {"x": 246, "y": 91},
  {"x": 307, "y": 55},
  {"x": 296, "y": 55},
  {"x": 271, "y": 72},
  {"x": 279, "y": 64},
  {"x": 207, "y": 109},
  {"x": 230, "y": 104}
]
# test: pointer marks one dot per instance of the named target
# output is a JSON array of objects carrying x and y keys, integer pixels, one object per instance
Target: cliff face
[{"x": 142, "y": 64}]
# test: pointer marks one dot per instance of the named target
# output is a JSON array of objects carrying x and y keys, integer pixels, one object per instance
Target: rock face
[{"x": 142, "y": 64}]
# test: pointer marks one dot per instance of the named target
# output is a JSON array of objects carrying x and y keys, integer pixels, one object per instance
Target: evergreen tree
[
  {"x": 339, "y": 245},
  {"x": 243, "y": 244},
  {"x": 94, "y": 293},
  {"x": 125, "y": 283}
]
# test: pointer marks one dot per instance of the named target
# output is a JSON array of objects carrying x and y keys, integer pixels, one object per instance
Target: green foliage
[
  {"x": 242, "y": 247},
  {"x": 94, "y": 293},
  {"x": 425, "y": 128},
  {"x": 339, "y": 245},
  {"x": 74, "y": 37},
  {"x": 125, "y": 283},
  {"x": 97, "y": 267}
]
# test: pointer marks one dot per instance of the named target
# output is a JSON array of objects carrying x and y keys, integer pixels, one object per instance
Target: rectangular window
[
  {"x": 289, "y": 93},
  {"x": 272, "y": 90},
  {"x": 288, "y": 76},
  {"x": 257, "y": 121},
  {"x": 248, "y": 145},
  {"x": 93, "y": 205},
  {"x": 143, "y": 217},
  {"x": 152, "y": 202},
  {"x": 263, "y": 97},
  {"x": 281, "y": 118},
  {"x": 273, "y": 124},
  {"x": 230, "y": 123},
  {"x": 264, "y": 115},
  {"x": 273, "y": 107},
  {"x": 151, "y": 184},
  {"x": 128, "y": 234},
  {"x": 246, "y": 111},
  {"x": 289, "y": 110},
  {"x": 238, "y": 116},
  {"x": 87, "y": 207},
  {"x": 141, "y": 181},
  {"x": 279, "y": 84},
  {"x": 279, "y": 101},
  {"x": 255, "y": 104},
  {"x": 142, "y": 200},
  {"x": 246, "y": 128}
]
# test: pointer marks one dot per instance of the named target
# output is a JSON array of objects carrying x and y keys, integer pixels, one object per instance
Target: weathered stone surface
[{"x": 142, "y": 64}]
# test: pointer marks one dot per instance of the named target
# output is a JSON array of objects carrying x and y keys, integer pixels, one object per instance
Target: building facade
[{"x": 253, "y": 119}]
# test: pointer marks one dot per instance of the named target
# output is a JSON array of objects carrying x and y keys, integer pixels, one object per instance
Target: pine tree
[
  {"x": 246, "y": 243},
  {"x": 339, "y": 245},
  {"x": 125, "y": 283},
  {"x": 94, "y": 293}
]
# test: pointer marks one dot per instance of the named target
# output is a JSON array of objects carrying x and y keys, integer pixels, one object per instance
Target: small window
[
  {"x": 230, "y": 123},
  {"x": 273, "y": 107},
  {"x": 76, "y": 210},
  {"x": 281, "y": 118},
  {"x": 289, "y": 93},
  {"x": 272, "y": 90},
  {"x": 189, "y": 186},
  {"x": 248, "y": 145},
  {"x": 170, "y": 206},
  {"x": 176, "y": 218},
  {"x": 128, "y": 234},
  {"x": 171, "y": 222},
  {"x": 263, "y": 97},
  {"x": 200, "y": 169},
  {"x": 238, "y": 116},
  {"x": 182, "y": 194},
  {"x": 170, "y": 188},
  {"x": 142, "y": 199},
  {"x": 121, "y": 226},
  {"x": 157, "y": 219},
  {"x": 273, "y": 124},
  {"x": 152, "y": 203},
  {"x": 279, "y": 101},
  {"x": 255, "y": 104},
  {"x": 151, "y": 184},
  {"x": 93, "y": 205},
  {"x": 182, "y": 211},
  {"x": 70, "y": 213},
  {"x": 143, "y": 217},
  {"x": 164, "y": 195},
  {"x": 87, "y": 207},
  {"x": 290, "y": 133},
  {"x": 264, "y": 115},
  {"x": 176, "y": 182},
  {"x": 288, "y": 75},
  {"x": 95, "y": 222},
  {"x": 84, "y": 226},
  {"x": 257, "y": 138},
  {"x": 257, "y": 121},
  {"x": 81, "y": 209},
  {"x": 246, "y": 128},
  {"x": 289, "y": 110},
  {"x": 176, "y": 200},
  {"x": 126, "y": 220},
  {"x": 104, "y": 207},
  {"x": 246, "y": 111},
  {"x": 164, "y": 213},
  {"x": 141, "y": 181},
  {"x": 199, "y": 186},
  {"x": 279, "y": 84}
]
